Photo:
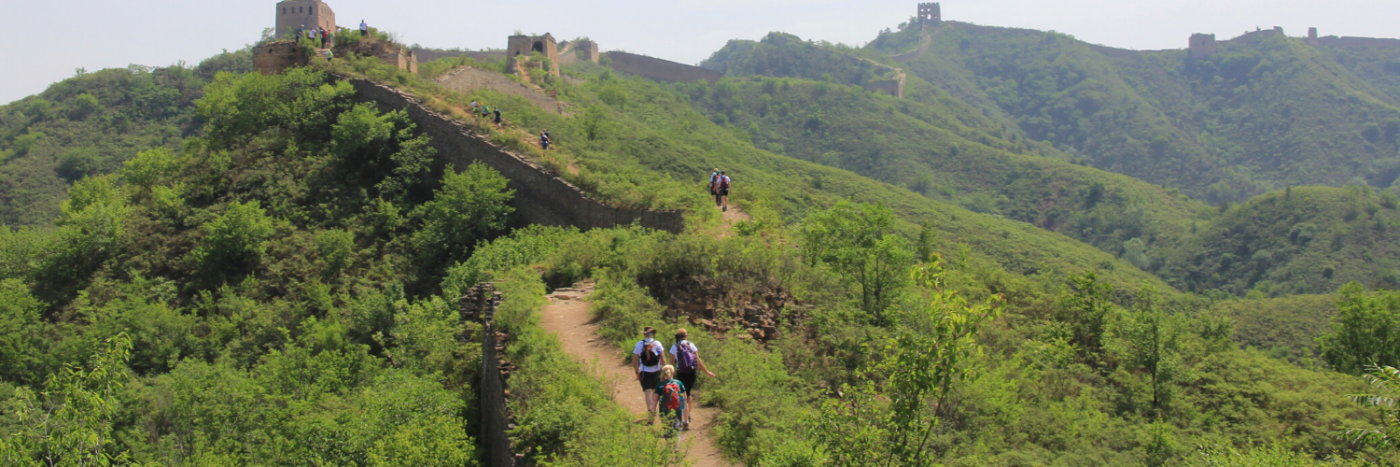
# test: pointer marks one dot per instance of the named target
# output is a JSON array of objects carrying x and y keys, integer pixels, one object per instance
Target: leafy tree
[
  {"x": 22, "y": 344},
  {"x": 468, "y": 208},
  {"x": 71, "y": 421},
  {"x": 236, "y": 240},
  {"x": 1365, "y": 330},
  {"x": 854, "y": 240},
  {"x": 149, "y": 167},
  {"x": 1386, "y": 381},
  {"x": 1152, "y": 342},
  {"x": 1084, "y": 305},
  {"x": 888, "y": 417}
]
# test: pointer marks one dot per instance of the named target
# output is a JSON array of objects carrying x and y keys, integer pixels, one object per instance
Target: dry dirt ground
[{"x": 569, "y": 318}]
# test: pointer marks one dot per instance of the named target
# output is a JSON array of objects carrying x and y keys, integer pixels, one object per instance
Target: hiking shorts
[
  {"x": 723, "y": 192},
  {"x": 650, "y": 379},
  {"x": 687, "y": 379}
]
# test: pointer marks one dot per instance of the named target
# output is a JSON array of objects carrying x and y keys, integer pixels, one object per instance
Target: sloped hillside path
[
  {"x": 731, "y": 216},
  {"x": 568, "y": 317}
]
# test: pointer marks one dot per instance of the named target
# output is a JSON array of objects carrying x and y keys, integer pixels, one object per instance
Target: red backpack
[
  {"x": 724, "y": 182},
  {"x": 673, "y": 393}
]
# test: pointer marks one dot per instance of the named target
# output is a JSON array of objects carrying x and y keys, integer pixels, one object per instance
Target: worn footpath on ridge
[{"x": 569, "y": 317}]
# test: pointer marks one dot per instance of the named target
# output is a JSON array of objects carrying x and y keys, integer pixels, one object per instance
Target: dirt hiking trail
[
  {"x": 568, "y": 316},
  {"x": 731, "y": 216}
]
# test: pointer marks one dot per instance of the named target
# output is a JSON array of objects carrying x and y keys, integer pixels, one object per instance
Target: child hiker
[{"x": 672, "y": 401}]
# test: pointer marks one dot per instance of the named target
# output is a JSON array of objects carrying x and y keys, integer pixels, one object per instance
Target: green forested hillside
[
  {"x": 884, "y": 138},
  {"x": 1261, "y": 114},
  {"x": 1302, "y": 240},
  {"x": 89, "y": 124}
]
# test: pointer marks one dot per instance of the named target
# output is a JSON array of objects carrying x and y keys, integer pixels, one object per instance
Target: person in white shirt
[
  {"x": 687, "y": 361},
  {"x": 648, "y": 356}
]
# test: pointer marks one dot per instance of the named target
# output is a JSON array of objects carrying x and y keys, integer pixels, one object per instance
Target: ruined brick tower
[
  {"x": 520, "y": 47},
  {"x": 1200, "y": 45},
  {"x": 930, "y": 14},
  {"x": 294, "y": 14}
]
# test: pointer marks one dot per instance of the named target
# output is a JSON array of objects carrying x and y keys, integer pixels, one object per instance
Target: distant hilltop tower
[
  {"x": 930, "y": 14},
  {"x": 1201, "y": 45},
  {"x": 295, "y": 14}
]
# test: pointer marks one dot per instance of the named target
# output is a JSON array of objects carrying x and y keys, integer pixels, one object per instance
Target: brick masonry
[{"x": 540, "y": 196}]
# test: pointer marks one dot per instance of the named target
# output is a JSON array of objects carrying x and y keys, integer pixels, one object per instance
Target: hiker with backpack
[
  {"x": 647, "y": 358},
  {"x": 714, "y": 186},
  {"x": 687, "y": 358},
  {"x": 722, "y": 195},
  {"x": 672, "y": 394}
]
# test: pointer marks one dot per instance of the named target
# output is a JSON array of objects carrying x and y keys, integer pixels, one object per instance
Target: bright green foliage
[
  {"x": 149, "y": 168},
  {"x": 71, "y": 421},
  {"x": 336, "y": 248},
  {"x": 236, "y": 240},
  {"x": 889, "y": 416},
  {"x": 1385, "y": 380},
  {"x": 856, "y": 241},
  {"x": 1151, "y": 341},
  {"x": 1365, "y": 331},
  {"x": 22, "y": 347},
  {"x": 1275, "y": 454},
  {"x": 469, "y": 207},
  {"x": 1085, "y": 307}
]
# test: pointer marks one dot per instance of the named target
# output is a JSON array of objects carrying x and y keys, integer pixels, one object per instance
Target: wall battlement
[
  {"x": 310, "y": 14},
  {"x": 930, "y": 14},
  {"x": 1201, "y": 45},
  {"x": 540, "y": 196}
]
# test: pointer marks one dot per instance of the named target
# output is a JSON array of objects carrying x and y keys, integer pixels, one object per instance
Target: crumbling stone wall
[
  {"x": 479, "y": 304},
  {"x": 277, "y": 56},
  {"x": 540, "y": 196},
  {"x": 520, "y": 45},
  {"x": 661, "y": 70},
  {"x": 587, "y": 51},
  {"x": 893, "y": 87}
]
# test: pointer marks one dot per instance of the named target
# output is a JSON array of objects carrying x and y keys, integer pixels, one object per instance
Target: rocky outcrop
[{"x": 758, "y": 315}]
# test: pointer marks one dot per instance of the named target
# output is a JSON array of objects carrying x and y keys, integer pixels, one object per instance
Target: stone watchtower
[
  {"x": 294, "y": 14},
  {"x": 519, "y": 45},
  {"x": 930, "y": 14},
  {"x": 1200, "y": 45}
]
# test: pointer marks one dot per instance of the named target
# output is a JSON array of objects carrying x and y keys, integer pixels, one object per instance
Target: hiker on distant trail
[
  {"x": 723, "y": 194},
  {"x": 364, "y": 28},
  {"x": 671, "y": 393},
  {"x": 485, "y": 111},
  {"x": 329, "y": 56},
  {"x": 687, "y": 358},
  {"x": 497, "y": 111},
  {"x": 714, "y": 185},
  {"x": 647, "y": 358},
  {"x": 544, "y": 140}
]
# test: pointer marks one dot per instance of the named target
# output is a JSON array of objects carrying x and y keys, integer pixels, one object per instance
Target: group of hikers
[
  {"x": 493, "y": 114},
  {"x": 668, "y": 387},
  {"x": 719, "y": 188},
  {"x": 487, "y": 112},
  {"x": 324, "y": 38}
]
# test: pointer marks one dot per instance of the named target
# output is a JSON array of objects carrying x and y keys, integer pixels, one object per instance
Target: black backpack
[{"x": 650, "y": 356}]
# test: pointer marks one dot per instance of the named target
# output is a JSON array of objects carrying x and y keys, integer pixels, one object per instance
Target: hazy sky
[{"x": 46, "y": 41}]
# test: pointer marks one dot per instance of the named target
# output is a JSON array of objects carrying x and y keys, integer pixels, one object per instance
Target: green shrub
[{"x": 236, "y": 240}]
